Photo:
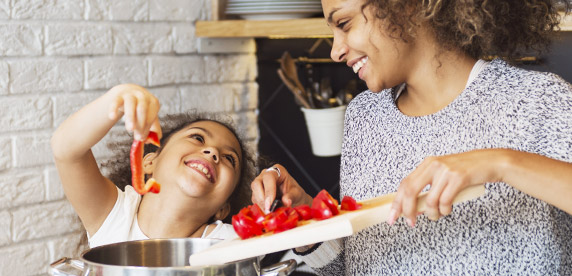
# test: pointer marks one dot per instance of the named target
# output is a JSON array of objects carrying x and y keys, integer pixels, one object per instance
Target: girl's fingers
[
  {"x": 156, "y": 127},
  {"x": 130, "y": 105},
  {"x": 116, "y": 109}
]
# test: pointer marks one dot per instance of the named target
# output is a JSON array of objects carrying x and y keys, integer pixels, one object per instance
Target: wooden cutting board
[{"x": 374, "y": 211}]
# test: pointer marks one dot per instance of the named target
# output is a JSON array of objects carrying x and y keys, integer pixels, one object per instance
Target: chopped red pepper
[
  {"x": 320, "y": 210},
  {"x": 350, "y": 204},
  {"x": 244, "y": 225},
  {"x": 137, "y": 174},
  {"x": 324, "y": 196},
  {"x": 304, "y": 212}
]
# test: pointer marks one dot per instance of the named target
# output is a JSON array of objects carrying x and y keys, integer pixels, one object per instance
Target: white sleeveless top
[{"x": 121, "y": 223}]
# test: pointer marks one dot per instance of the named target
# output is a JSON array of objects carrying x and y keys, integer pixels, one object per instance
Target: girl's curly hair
[
  {"x": 119, "y": 171},
  {"x": 479, "y": 28}
]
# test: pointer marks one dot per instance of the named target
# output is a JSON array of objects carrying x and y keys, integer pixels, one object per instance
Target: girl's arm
[{"x": 91, "y": 194}]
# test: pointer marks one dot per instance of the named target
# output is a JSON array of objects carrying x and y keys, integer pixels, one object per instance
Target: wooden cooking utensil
[
  {"x": 288, "y": 65},
  {"x": 297, "y": 93},
  {"x": 374, "y": 211}
]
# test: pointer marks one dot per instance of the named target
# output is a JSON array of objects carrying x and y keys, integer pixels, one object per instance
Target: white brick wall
[{"x": 56, "y": 56}]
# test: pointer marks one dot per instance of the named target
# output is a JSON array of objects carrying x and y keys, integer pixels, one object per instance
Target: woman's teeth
[
  {"x": 201, "y": 168},
  {"x": 358, "y": 65}
]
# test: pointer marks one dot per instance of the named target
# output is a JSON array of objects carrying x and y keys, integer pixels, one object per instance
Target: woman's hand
[
  {"x": 269, "y": 183},
  {"x": 447, "y": 175},
  {"x": 139, "y": 106}
]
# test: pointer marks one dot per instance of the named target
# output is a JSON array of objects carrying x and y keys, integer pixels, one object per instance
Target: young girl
[
  {"x": 438, "y": 117},
  {"x": 202, "y": 166}
]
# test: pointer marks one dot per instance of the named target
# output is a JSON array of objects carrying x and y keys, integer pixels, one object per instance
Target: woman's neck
[
  {"x": 158, "y": 220},
  {"x": 437, "y": 78}
]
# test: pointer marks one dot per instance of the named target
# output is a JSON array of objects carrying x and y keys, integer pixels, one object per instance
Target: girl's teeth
[
  {"x": 201, "y": 168},
  {"x": 205, "y": 171}
]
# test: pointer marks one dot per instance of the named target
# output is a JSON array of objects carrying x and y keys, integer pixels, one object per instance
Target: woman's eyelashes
[
  {"x": 229, "y": 157},
  {"x": 342, "y": 25}
]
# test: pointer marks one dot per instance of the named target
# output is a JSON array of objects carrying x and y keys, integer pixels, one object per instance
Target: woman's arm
[
  {"x": 90, "y": 193},
  {"x": 541, "y": 177}
]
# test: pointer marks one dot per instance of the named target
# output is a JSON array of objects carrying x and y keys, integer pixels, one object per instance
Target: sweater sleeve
[
  {"x": 551, "y": 117},
  {"x": 328, "y": 258}
]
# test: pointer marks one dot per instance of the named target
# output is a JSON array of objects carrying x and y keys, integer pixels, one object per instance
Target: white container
[{"x": 326, "y": 129}]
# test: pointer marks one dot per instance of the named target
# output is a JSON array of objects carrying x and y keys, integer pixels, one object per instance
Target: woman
[
  {"x": 439, "y": 118},
  {"x": 202, "y": 166}
]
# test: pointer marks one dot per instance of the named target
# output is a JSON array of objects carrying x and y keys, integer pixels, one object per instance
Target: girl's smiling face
[
  {"x": 201, "y": 161},
  {"x": 360, "y": 39}
]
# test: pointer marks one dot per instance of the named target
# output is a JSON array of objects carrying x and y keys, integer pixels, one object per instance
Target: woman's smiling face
[
  {"x": 360, "y": 39},
  {"x": 202, "y": 160}
]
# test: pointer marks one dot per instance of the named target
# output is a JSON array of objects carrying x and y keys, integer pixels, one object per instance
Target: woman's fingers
[{"x": 432, "y": 200}]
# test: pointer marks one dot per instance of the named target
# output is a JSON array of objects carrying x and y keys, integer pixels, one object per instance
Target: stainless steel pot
[{"x": 156, "y": 257}]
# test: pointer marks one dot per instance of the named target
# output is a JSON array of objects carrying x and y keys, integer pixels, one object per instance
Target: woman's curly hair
[
  {"x": 479, "y": 28},
  {"x": 119, "y": 171}
]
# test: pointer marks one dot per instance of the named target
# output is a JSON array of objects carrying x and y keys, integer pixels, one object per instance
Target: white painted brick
[
  {"x": 211, "y": 98},
  {"x": 177, "y": 10},
  {"x": 33, "y": 150},
  {"x": 247, "y": 123},
  {"x": 106, "y": 72},
  {"x": 5, "y": 153},
  {"x": 5, "y": 228},
  {"x": 78, "y": 39},
  {"x": 133, "y": 10},
  {"x": 184, "y": 38},
  {"x": 25, "y": 113},
  {"x": 176, "y": 70},
  {"x": 54, "y": 189},
  {"x": 21, "y": 187},
  {"x": 169, "y": 98},
  {"x": 67, "y": 245},
  {"x": 139, "y": 38},
  {"x": 24, "y": 259},
  {"x": 46, "y": 75},
  {"x": 43, "y": 9},
  {"x": 4, "y": 78},
  {"x": 66, "y": 104},
  {"x": 20, "y": 39},
  {"x": 225, "y": 68},
  {"x": 4, "y": 9},
  {"x": 44, "y": 220},
  {"x": 247, "y": 97}
]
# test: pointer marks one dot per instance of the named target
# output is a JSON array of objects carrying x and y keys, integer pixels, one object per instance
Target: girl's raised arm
[{"x": 91, "y": 194}]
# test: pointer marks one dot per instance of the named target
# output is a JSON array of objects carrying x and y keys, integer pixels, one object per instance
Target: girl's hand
[
  {"x": 268, "y": 183},
  {"x": 447, "y": 175},
  {"x": 140, "y": 108}
]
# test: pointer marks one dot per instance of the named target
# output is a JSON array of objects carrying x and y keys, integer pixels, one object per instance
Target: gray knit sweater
[{"x": 505, "y": 232}]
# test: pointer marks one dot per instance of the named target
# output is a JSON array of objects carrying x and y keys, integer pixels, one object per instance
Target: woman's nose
[
  {"x": 339, "y": 51},
  {"x": 212, "y": 152}
]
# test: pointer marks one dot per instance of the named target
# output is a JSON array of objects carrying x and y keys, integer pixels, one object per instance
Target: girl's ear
[
  {"x": 222, "y": 212},
  {"x": 149, "y": 162}
]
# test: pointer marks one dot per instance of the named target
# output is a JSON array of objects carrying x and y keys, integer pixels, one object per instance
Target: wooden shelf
[{"x": 293, "y": 28}]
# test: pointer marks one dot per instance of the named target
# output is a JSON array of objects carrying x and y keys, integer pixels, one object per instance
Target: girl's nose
[
  {"x": 339, "y": 51},
  {"x": 213, "y": 153}
]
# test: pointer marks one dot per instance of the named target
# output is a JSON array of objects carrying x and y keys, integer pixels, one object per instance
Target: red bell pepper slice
[
  {"x": 273, "y": 220},
  {"x": 320, "y": 210},
  {"x": 244, "y": 225},
  {"x": 257, "y": 214},
  {"x": 350, "y": 204},
  {"x": 324, "y": 196},
  {"x": 289, "y": 223},
  {"x": 137, "y": 174},
  {"x": 304, "y": 212}
]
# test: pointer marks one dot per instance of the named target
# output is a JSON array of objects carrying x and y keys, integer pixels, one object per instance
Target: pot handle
[
  {"x": 280, "y": 269},
  {"x": 67, "y": 267}
]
